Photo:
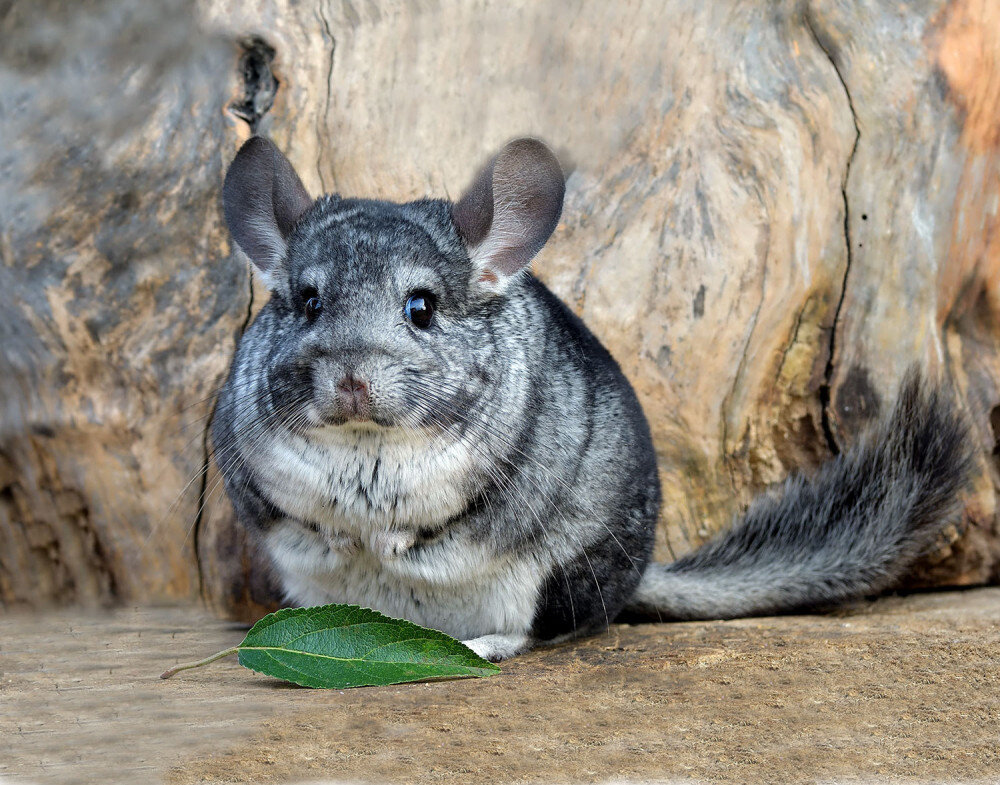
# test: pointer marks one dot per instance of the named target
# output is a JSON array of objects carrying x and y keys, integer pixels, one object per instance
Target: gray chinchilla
[{"x": 415, "y": 424}]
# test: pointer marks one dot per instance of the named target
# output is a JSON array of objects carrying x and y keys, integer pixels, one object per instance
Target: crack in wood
[
  {"x": 325, "y": 124},
  {"x": 825, "y": 390},
  {"x": 259, "y": 89}
]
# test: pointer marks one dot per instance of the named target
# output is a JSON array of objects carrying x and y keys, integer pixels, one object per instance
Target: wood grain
[{"x": 772, "y": 209}]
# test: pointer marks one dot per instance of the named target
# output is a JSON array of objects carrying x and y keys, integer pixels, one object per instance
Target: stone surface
[
  {"x": 772, "y": 209},
  {"x": 900, "y": 690}
]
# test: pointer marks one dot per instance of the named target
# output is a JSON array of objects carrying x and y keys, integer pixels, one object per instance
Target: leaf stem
[{"x": 178, "y": 668}]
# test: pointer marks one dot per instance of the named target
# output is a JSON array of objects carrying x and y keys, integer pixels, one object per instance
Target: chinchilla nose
[{"x": 352, "y": 392}]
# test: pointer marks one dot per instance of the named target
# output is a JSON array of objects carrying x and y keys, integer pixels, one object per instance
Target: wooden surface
[
  {"x": 901, "y": 690},
  {"x": 772, "y": 209}
]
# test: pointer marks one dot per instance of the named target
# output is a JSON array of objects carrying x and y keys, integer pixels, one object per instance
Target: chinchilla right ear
[
  {"x": 509, "y": 212},
  {"x": 263, "y": 198}
]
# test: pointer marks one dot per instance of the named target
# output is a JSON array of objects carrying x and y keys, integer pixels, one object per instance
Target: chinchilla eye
[
  {"x": 420, "y": 308},
  {"x": 311, "y": 303}
]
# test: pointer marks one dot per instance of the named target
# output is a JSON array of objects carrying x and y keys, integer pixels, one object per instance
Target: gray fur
[
  {"x": 499, "y": 482},
  {"x": 850, "y": 530}
]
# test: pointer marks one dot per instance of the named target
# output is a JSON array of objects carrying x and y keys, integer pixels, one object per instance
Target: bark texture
[{"x": 772, "y": 209}]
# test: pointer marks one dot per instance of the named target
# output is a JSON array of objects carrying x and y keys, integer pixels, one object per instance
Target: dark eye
[
  {"x": 311, "y": 304},
  {"x": 420, "y": 308}
]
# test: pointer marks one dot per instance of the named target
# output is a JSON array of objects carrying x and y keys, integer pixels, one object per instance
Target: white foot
[{"x": 499, "y": 647}]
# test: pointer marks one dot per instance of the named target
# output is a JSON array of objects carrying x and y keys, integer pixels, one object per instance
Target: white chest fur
[
  {"x": 360, "y": 484},
  {"x": 454, "y": 585},
  {"x": 359, "y": 480}
]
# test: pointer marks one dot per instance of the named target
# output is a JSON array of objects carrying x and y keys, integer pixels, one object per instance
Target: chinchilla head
[{"x": 385, "y": 314}]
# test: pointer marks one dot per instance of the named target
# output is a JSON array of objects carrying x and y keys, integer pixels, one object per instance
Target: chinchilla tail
[{"x": 850, "y": 530}]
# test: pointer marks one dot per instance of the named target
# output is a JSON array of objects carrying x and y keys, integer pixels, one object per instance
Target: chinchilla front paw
[
  {"x": 392, "y": 544},
  {"x": 342, "y": 543}
]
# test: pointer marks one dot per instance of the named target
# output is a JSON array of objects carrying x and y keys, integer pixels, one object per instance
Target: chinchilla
[{"x": 416, "y": 424}]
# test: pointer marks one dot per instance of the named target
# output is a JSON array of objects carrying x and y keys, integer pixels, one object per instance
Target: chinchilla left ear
[
  {"x": 509, "y": 211},
  {"x": 263, "y": 198}
]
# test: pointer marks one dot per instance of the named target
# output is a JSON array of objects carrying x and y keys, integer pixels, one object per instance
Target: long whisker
[
  {"x": 177, "y": 499},
  {"x": 250, "y": 436},
  {"x": 469, "y": 418},
  {"x": 259, "y": 432},
  {"x": 235, "y": 402},
  {"x": 505, "y": 486},
  {"x": 508, "y": 490},
  {"x": 427, "y": 395}
]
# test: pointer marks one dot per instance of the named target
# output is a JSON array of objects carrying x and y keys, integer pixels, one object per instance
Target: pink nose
[{"x": 353, "y": 394}]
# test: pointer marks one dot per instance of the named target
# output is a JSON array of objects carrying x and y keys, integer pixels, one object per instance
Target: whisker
[{"x": 505, "y": 441}]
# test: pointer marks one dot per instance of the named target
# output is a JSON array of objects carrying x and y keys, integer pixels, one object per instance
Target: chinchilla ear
[
  {"x": 509, "y": 211},
  {"x": 263, "y": 197}
]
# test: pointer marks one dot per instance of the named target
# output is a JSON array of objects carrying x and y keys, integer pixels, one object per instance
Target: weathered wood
[
  {"x": 902, "y": 690},
  {"x": 119, "y": 304},
  {"x": 772, "y": 209}
]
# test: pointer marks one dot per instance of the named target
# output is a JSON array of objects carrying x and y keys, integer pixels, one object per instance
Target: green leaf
[{"x": 338, "y": 646}]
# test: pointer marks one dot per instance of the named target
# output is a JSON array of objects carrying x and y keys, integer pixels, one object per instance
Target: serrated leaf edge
[
  {"x": 484, "y": 667},
  {"x": 491, "y": 669}
]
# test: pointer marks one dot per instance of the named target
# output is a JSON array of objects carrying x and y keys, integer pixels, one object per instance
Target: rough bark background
[{"x": 772, "y": 209}]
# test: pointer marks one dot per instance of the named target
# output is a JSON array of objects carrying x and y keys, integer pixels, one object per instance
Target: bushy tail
[{"x": 850, "y": 530}]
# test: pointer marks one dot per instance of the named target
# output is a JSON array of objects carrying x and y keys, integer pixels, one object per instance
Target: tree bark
[{"x": 772, "y": 210}]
